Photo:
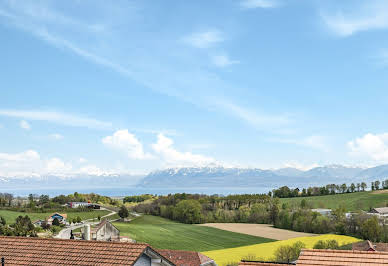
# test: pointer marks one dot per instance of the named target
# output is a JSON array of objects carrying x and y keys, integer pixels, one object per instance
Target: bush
[{"x": 289, "y": 253}]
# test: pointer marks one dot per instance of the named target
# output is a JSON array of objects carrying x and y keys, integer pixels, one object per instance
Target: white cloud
[
  {"x": 29, "y": 155},
  {"x": 92, "y": 170},
  {"x": 124, "y": 141},
  {"x": 57, "y": 166},
  {"x": 56, "y": 136},
  {"x": 204, "y": 39},
  {"x": 371, "y": 146},
  {"x": 56, "y": 117},
  {"x": 371, "y": 15},
  {"x": 82, "y": 160},
  {"x": 25, "y": 125},
  {"x": 223, "y": 61},
  {"x": 248, "y": 4},
  {"x": 164, "y": 147}
]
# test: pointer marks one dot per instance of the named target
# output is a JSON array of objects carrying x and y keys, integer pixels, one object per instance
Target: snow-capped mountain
[{"x": 248, "y": 177}]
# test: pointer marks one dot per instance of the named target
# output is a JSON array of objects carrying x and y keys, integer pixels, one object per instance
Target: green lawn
[
  {"x": 10, "y": 216},
  {"x": 351, "y": 201},
  {"x": 166, "y": 234}
]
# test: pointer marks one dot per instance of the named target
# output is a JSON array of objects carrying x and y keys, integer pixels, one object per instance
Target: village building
[
  {"x": 187, "y": 258},
  {"x": 381, "y": 212},
  {"x": 51, "y": 251},
  {"x": 38, "y": 222},
  {"x": 323, "y": 212},
  {"x": 62, "y": 218},
  {"x": 104, "y": 231},
  {"x": 369, "y": 246}
]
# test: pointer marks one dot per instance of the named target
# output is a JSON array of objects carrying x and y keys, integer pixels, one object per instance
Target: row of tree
[
  {"x": 191, "y": 209},
  {"x": 330, "y": 189}
]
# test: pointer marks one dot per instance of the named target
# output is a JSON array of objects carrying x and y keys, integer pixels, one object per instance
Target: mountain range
[
  {"x": 238, "y": 177},
  {"x": 190, "y": 178}
]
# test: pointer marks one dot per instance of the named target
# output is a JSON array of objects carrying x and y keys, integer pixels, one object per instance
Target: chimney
[{"x": 87, "y": 232}]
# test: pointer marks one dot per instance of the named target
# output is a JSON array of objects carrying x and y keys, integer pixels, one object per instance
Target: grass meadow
[
  {"x": 166, "y": 234},
  {"x": 351, "y": 201}
]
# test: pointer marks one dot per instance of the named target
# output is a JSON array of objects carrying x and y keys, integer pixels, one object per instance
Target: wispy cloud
[
  {"x": 24, "y": 125},
  {"x": 371, "y": 15},
  {"x": 204, "y": 39},
  {"x": 314, "y": 142},
  {"x": 57, "y": 117},
  {"x": 248, "y": 4},
  {"x": 192, "y": 84},
  {"x": 258, "y": 120},
  {"x": 223, "y": 61}
]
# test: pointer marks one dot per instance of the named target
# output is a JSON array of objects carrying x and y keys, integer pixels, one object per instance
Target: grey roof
[{"x": 381, "y": 210}]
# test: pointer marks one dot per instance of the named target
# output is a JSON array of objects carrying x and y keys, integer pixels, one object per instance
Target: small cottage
[{"x": 61, "y": 218}]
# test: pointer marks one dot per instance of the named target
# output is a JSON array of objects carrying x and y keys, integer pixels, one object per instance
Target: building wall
[
  {"x": 107, "y": 232},
  {"x": 144, "y": 260}
]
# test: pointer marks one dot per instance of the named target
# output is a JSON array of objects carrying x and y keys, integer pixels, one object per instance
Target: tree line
[
  {"x": 194, "y": 208},
  {"x": 329, "y": 189}
]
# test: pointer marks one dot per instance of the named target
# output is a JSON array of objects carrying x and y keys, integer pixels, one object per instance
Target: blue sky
[{"x": 133, "y": 86}]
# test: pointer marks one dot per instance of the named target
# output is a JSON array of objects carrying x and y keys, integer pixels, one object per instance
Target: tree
[
  {"x": 372, "y": 185},
  {"x": 79, "y": 219},
  {"x": 188, "y": 211},
  {"x": 344, "y": 188},
  {"x": 363, "y": 186},
  {"x": 123, "y": 212},
  {"x": 358, "y": 187},
  {"x": 371, "y": 229},
  {"x": 23, "y": 226},
  {"x": 377, "y": 185},
  {"x": 2, "y": 221},
  {"x": 56, "y": 222},
  {"x": 352, "y": 187}
]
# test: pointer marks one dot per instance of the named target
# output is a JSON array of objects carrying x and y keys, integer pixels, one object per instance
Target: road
[{"x": 65, "y": 233}]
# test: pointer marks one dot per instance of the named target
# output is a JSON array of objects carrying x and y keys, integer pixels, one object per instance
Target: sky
[{"x": 97, "y": 87}]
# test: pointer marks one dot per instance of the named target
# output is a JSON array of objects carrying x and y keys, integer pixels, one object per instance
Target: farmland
[
  {"x": 351, "y": 201},
  {"x": 266, "y": 251},
  {"x": 262, "y": 230},
  {"x": 166, "y": 234},
  {"x": 10, "y": 216}
]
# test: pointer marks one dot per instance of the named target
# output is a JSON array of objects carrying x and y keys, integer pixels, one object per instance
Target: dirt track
[{"x": 263, "y": 230}]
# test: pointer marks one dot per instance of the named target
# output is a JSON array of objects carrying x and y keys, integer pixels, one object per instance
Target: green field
[
  {"x": 166, "y": 234},
  {"x": 10, "y": 216},
  {"x": 351, "y": 201}
]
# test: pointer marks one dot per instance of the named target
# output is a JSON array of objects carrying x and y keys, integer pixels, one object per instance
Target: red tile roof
[
  {"x": 40, "y": 251},
  {"x": 369, "y": 246},
  {"x": 262, "y": 263},
  {"x": 184, "y": 258},
  {"x": 342, "y": 257}
]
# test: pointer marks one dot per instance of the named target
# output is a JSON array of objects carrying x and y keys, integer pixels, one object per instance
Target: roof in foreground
[
  {"x": 185, "y": 258},
  {"x": 342, "y": 257},
  {"x": 367, "y": 245},
  {"x": 262, "y": 263},
  {"x": 41, "y": 251}
]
